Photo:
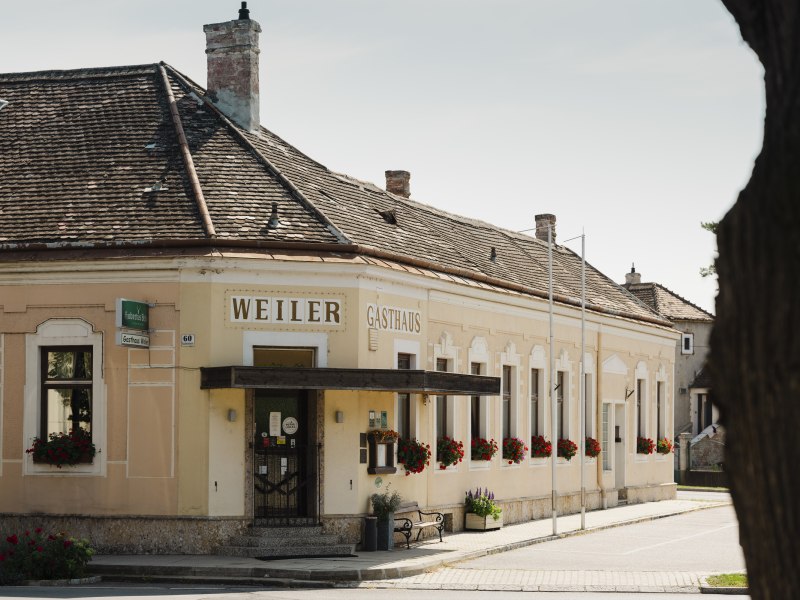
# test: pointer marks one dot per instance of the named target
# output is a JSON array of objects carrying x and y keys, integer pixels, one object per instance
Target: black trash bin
[{"x": 370, "y": 534}]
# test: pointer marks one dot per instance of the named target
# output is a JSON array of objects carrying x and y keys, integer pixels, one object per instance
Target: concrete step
[
  {"x": 286, "y": 532},
  {"x": 287, "y": 551},
  {"x": 267, "y": 541}
]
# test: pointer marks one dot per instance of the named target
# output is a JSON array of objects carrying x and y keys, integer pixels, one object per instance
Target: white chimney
[
  {"x": 232, "y": 51},
  {"x": 633, "y": 277}
]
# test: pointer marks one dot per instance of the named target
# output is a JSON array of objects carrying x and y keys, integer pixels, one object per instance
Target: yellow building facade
[{"x": 239, "y": 331}]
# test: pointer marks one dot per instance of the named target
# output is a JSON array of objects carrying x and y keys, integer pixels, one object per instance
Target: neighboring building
[
  {"x": 694, "y": 412},
  {"x": 289, "y": 311}
]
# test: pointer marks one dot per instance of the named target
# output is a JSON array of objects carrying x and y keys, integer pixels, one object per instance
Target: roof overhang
[{"x": 376, "y": 380}]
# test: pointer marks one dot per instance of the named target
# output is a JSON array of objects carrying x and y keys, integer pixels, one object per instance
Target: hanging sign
[{"x": 133, "y": 314}]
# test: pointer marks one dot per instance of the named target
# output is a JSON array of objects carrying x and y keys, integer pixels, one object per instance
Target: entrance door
[{"x": 284, "y": 460}]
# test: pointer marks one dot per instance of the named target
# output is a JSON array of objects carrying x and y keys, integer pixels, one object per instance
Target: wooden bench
[{"x": 424, "y": 519}]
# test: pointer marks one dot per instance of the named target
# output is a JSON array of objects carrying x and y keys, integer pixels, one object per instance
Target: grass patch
[
  {"x": 700, "y": 488},
  {"x": 738, "y": 580}
]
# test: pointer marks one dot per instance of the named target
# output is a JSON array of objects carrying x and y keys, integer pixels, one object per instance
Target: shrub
[
  {"x": 540, "y": 447},
  {"x": 385, "y": 503},
  {"x": 514, "y": 450},
  {"x": 483, "y": 449},
  {"x": 34, "y": 555},
  {"x": 592, "y": 447},
  {"x": 413, "y": 455},
  {"x": 664, "y": 446},
  {"x": 567, "y": 448},
  {"x": 645, "y": 445},
  {"x": 63, "y": 448},
  {"x": 482, "y": 504},
  {"x": 449, "y": 451}
]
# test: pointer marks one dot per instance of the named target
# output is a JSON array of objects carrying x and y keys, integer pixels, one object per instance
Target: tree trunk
[{"x": 755, "y": 345}]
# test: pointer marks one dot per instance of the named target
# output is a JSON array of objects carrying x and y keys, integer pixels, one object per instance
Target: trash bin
[{"x": 370, "y": 534}]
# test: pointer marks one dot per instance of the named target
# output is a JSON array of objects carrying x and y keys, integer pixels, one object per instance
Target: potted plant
[
  {"x": 645, "y": 445},
  {"x": 449, "y": 451},
  {"x": 482, "y": 511},
  {"x": 384, "y": 505},
  {"x": 664, "y": 446},
  {"x": 384, "y": 436},
  {"x": 413, "y": 455},
  {"x": 514, "y": 450},
  {"x": 566, "y": 448},
  {"x": 482, "y": 449},
  {"x": 592, "y": 447},
  {"x": 540, "y": 447},
  {"x": 63, "y": 448}
]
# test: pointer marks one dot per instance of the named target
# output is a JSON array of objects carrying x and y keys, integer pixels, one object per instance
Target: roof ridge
[
  {"x": 293, "y": 190},
  {"x": 83, "y": 73}
]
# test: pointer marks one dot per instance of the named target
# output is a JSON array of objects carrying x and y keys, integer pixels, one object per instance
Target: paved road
[
  {"x": 671, "y": 554},
  {"x": 121, "y": 592}
]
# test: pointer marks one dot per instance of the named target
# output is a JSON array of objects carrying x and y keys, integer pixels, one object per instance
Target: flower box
[{"x": 478, "y": 523}]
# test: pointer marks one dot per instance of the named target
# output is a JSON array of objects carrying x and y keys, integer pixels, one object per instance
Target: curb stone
[{"x": 60, "y": 582}]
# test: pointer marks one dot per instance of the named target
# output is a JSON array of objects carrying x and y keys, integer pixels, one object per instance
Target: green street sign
[{"x": 133, "y": 314}]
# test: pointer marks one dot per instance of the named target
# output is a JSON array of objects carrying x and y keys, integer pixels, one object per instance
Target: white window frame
[
  {"x": 478, "y": 353},
  {"x": 411, "y": 348},
  {"x": 564, "y": 365},
  {"x": 538, "y": 362},
  {"x": 687, "y": 348},
  {"x": 641, "y": 374},
  {"x": 510, "y": 358},
  {"x": 54, "y": 333},
  {"x": 446, "y": 350},
  {"x": 590, "y": 426}
]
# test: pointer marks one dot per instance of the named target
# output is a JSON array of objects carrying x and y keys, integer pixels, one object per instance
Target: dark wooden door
[{"x": 284, "y": 460}]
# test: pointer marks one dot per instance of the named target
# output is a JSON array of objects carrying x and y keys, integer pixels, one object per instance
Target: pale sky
[{"x": 630, "y": 120}]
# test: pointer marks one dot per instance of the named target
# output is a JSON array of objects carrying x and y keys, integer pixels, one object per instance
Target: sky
[{"x": 631, "y": 121}]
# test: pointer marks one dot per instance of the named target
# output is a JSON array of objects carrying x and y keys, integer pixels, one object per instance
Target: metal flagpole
[
  {"x": 583, "y": 378},
  {"x": 553, "y": 423}
]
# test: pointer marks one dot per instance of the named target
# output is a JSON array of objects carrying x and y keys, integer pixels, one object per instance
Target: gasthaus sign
[{"x": 285, "y": 311}]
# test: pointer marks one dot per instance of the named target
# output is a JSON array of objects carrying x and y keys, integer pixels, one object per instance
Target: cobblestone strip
[{"x": 523, "y": 580}]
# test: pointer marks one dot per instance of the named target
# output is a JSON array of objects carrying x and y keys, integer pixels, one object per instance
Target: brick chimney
[
  {"x": 232, "y": 51},
  {"x": 633, "y": 277},
  {"x": 541, "y": 226},
  {"x": 398, "y": 182}
]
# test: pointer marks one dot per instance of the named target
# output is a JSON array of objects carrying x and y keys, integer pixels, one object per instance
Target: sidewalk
[{"x": 371, "y": 566}]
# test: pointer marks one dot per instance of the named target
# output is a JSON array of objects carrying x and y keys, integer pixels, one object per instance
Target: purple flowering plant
[{"x": 482, "y": 503}]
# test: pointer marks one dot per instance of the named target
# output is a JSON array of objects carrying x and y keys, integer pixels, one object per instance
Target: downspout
[
  {"x": 187, "y": 157},
  {"x": 599, "y": 413}
]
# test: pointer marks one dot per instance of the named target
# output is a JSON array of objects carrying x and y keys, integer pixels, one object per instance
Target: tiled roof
[
  {"x": 81, "y": 147},
  {"x": 667, "y": 303}
]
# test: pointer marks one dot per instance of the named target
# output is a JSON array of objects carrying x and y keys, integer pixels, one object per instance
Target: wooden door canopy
[{"x": 377, "y": 380}]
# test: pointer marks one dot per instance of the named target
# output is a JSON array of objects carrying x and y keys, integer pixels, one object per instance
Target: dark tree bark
[{"x": 755, "y": 345}]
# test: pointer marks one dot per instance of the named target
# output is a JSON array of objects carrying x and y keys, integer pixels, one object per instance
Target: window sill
[
  {"x": 539, "y": 461},
  {"x": 450, "y": 469},
  {"x": 87, "y": 460},
  {"x": 479, "y": 465}
]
